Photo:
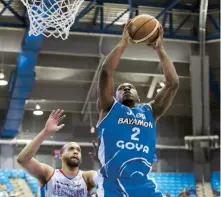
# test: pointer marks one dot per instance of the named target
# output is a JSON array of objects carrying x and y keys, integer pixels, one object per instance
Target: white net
[{"x": 52, "y": 17}]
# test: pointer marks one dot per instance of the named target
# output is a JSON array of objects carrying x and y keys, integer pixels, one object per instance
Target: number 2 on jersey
[{"x": 137, "y": 132}]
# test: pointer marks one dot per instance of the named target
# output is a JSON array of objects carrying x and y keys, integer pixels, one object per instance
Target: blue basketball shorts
[{"x": 133, "y": 187}]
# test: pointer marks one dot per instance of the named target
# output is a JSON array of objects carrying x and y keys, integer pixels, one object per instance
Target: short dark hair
[
  {"x": 126, "y": 83},
  {"x": 63, "y": 148}
]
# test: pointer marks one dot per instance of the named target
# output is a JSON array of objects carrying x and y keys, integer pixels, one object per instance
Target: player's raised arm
[
  {"x": 165, "y": 97},
  {"x": 105, "y": 87},
  {"x": 26, "y": 159}
]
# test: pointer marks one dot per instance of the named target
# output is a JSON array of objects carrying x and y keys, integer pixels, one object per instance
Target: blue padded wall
[{"x": 21, "y": 84}]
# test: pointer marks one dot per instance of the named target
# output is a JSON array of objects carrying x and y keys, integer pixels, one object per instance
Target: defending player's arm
[
  {"x": 90, "y": 179},
  {"x": 105, "y": 83},
  {"x": 165, "y": 97},
  {"x": 26, "y": 159},
  {"x": 94, "y": 155}
]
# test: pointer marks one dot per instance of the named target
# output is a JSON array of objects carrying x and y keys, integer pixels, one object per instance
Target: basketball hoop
[{"x": 52, "y": 17}]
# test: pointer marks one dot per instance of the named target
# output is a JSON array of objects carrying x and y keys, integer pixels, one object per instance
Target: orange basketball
[{"x": 143, "y": 28}]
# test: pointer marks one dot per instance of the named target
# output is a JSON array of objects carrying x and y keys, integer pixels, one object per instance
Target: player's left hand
[
  {"x": 52, "y": 124},
  {"x": 126, "y": 35},
  {"x": 158, "y": 44}
]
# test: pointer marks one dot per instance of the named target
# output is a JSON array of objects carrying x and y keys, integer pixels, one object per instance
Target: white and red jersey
[{"x": 59, "y": 185}]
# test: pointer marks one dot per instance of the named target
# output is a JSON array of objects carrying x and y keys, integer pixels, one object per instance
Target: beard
[
  {"x": 128, "y": 97},
  {"x": 72, "y": 163},
  {"x": 128, "y": 101}
]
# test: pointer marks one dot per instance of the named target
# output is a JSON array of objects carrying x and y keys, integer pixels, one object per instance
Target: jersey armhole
[
  {"x": 95, "y": 176},
  {"x": 150, "y": 106},
  {"x": 98, "y": 124},
  {"x": 83, "y": 176},
  {"x": 48, "y": 179}
]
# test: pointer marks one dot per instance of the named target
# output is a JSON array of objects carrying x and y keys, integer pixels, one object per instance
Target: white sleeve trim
[
  {"x": 107, "y": 113},
  {"x": 149, "y": 106}
]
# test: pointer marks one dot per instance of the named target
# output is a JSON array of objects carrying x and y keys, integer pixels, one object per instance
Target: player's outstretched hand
[
  {"x": 52, "y": 124},
  {"x": 94, "y": 155},
  {"x": 158, "y": 44}
]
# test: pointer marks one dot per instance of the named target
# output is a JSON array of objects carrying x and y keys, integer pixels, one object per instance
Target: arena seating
[
  {"x": 173, "y": 183},
  {"x": 33, "y": 183},
  {"x": 215, "y": 180},
  {"x": 4, "y": 180},
  {"x": 6, "y": 175}
]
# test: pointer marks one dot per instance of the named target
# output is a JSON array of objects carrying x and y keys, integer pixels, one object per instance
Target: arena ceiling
[{"x": 66, "y": 70}]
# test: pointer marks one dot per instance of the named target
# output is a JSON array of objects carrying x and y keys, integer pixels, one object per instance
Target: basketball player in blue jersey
[
  {"x": 127, "y": 128},
  {"x": 68, "y": 181}
]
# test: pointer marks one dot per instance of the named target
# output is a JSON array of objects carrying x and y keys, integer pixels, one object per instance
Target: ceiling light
[
  {"x": 3, "y": 82},
  {"x": 37, "y": 106},
  {"x": 38, "y": 111},
  {"x": 158, "y": 90},
  {"x": 162, "y": 84},
  {"x": 2, "y": 75}
]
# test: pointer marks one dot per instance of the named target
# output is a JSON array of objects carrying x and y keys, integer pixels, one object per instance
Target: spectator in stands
[
  {"x": 57, "y": 181},
  {"x": 191, "y": 189},
  {"x": 3, "y": 191},
  {"x": 2, "y": 187},
  {"x": 216, "y": 193},
  {"x": 185, "y": 194},
  {"x": 4, "y": 194}
]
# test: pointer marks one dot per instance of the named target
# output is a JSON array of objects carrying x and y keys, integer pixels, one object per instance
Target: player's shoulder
[
  {"x": 89, "y": 173},
  {"x": 90, "y": 177},
  {"x": 49, "y": 171}
]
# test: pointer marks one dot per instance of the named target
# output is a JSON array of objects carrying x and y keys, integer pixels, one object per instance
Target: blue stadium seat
[
  {"x": 215, "y": 181},
  {"x": 33, "y": 183},
  {"x": 173, "y": 183},
  {"x": 4, "y": 179},
  {"x": 5, "y": 176},
  {"x": 166, "y": 182}
]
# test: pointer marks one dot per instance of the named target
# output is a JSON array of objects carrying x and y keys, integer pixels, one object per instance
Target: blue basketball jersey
[{"x": 128, "y": 141}]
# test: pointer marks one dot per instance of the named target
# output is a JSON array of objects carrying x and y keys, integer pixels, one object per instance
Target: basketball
[{"x": 143, "y": 28}]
